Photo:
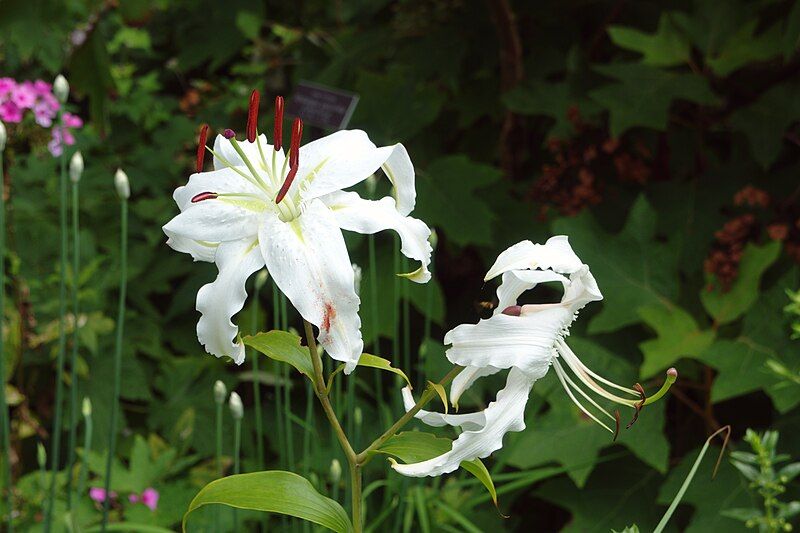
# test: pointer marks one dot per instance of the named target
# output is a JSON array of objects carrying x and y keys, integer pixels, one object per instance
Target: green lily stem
[
  {"x": 55, "y": 451},
  {"x": 123, "y": 287},
  {"x": 87, "y": 447},
  {"x": 257, "y": 386},
  {"x": 3, "y": 407},
  {"x": 430, "y": 393},
  {"x": 218, "y": 443},
  {"x": 237, "y": 445},
  {"x": 73, "y": 389},
  {"x": 322, "y": 395}
]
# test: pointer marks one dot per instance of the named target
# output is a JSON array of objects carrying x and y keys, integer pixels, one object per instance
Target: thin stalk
[
  {"x": 237, "y": 445},
  {"x": 257, "y": 385},
  {"x": 87, "y": 448},
  {"x": 218, "y": 446},
  {"x": 373, "y": 290},
  {"x": 427, "y": 396},
  {"x": 123, "y": 288},
  {"x": 276, "y": 324},
  {"x": 55, "y": 451},
  {"x": 73, "y": 360},
  {"x": 3, "y": 407},
  {"x": 287, "y": 397},
  {"x": 406, "y": 321},
  {"x": 324, "y": 400}
]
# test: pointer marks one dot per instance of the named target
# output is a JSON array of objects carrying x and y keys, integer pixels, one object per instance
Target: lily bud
[
  {"x": 122, "y": 184},
  {"x": 357, "y": 278},
  {"x": 61, "y": 88},
  {"x": 220, "y": 392},
  {"x": 41, "y": 455},
  {"x": 235, "y": 404},
  {"x": 76, "y": 167},
  {"x": 261, "y": 278},
  {"x": 336, "y": 471},
  {"x": 3, "y": 136},
  {"x": 86, "y": 408},
  {"x": 358, "y": 416}
]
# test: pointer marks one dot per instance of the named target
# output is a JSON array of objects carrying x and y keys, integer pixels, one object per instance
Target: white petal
[
  {"x": 467, "y": 421},
  {"x": 502, "y": 341},
  {"x": 348, "y": 157},
  {"x": 555, "y": 254},
  {"x": 353, "y": 213},
  {"x": 515, "y": 282},
  {"x": 466, "y": 378},
  {"x": 224, "y": 148},
  {"x": 308, "y": 260},
  {"x": 220, "y": 300},
  {"x": 218, "y": 181},
  {"x": 506, "y": 413},
  {"x": 214, "y": 221},
  {"x": 200, "y": 251}
]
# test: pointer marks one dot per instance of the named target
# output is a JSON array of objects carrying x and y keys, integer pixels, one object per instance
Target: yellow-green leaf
[
  {"x": 373, "y": 361},
  {"x": 284, "y": 347},
  {"x": 441, "y": 392}
]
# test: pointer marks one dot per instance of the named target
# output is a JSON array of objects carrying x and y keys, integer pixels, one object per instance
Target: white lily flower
[
  {"x": 528, "y": 340},
  {"x": 259, "y": 207}
]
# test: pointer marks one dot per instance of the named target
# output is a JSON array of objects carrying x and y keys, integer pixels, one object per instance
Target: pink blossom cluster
[
  {"x": 149, "y": 496},
  {"x": 37, "y": 96}
]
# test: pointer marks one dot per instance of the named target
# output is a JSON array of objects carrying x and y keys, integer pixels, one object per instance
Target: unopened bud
[
  {"x": 220, "y": 392},
  {"x": 76, "y": 167},
  {"x": 86, "y": 408},
  {"x": 41, "y": 455},
  {"x": 336, "y": 471},
  {"x": 61, "y": 88},
  {"x": 122, "y": 184},
  {"x": 261, "y": 278},
  {"x": 3, "y": 136},
  {"x": 433, "y": 239},
  {"x": 358, "y": 416},
  {"x": 357, "y": 278},
  {"x": 235, "y": 404}
]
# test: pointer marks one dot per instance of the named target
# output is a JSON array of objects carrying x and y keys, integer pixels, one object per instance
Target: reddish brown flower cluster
[
  {"x": 572, "y": 181},
  {"x": 730, "y": 241}
]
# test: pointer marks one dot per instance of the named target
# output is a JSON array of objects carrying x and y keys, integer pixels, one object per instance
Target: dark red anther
[
  {"x": 208, "y": 195},
  {"x": 616, "y": 429},
  {"x": 201, "y": 147},
  {"x": 512, "y": 310},
  {"x": 229, "y": 133},
  {"x": 294, "y": 148},
  {"x": 252, "y": 116},
  {"x": 278, "y": 132},
  {"x": 286, "y": 184},
  {"x": 638, "y": 405}
]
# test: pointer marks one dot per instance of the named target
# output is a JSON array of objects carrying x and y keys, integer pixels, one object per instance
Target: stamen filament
[
  {"x": 581, "y": 391},
  {"x": 575, "y": 400},
  {"x": 229, "y": 165},
  {"x": 201, "y": 148},
  {"x": 570, "y": 356},
  {"x": 247, "y": 162}
]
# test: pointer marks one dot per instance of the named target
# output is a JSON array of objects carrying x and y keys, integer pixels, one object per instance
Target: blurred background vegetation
[{"x": 660, "y": 136}]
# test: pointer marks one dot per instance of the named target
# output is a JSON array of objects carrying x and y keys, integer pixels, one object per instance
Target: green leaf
[
  {"x": 284, "y": 347},
  {"x": 448, "y": 197},
  {"x": 744, "y": 47},
  {"x": 727, "y": 306},
  {"x": 765, "y": 121},
  {"x": 479, "y": 470},
  {"x": 632, "y": 268},
  {"x": 642, "y": 95},
  {"x": 273, "y": 492},
  {"x": 678, "y": 336},
  {"x": 439, "y": 389},
  {"x": 667, "y": 47},
  {"x": 373, "y": 361},
  {"x": 552, "y": 100}
]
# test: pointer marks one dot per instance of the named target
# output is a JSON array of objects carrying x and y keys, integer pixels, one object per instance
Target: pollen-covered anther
[
  {"x": 201, "y": 148},
  {"x": 208, "y": 195},
  {"x": 512, "y": 310},
  {"x": 278, "y": 130},
  {"x": 252, "y": 116},
  {"x": 294, "y": 159}
]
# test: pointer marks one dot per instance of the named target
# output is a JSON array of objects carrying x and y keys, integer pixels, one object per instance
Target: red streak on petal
[
  {"x": 208, "y": 195},
  {"x": 201, "y": 147},
  {"x": 278, "y": 132},
  {"x": 330, "y": 313},
  {"x": 294, "y": 149},
  {"x": 252, "y": 116},
  {"x": 512, "y": 310},
  {"x": 286, "y": 184}
]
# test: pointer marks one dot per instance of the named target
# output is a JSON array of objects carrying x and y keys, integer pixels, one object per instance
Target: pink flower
[
  {"x": 98, "y": 494},
  {"x": 10, "y": 112},
  {"x": 43, "y": 114},
  {"x": 42, "y": 88},
  {"x": 72, "y": 121},
  {"x": 133, "y": 498},
  {"x": 150, "y": 498},
  {"x": 7, "y": 86},
  {"x": 24, "y": 95}
]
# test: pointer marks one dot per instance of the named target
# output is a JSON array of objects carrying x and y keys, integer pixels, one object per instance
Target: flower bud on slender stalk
[
  {"x": 261, "y": 278},
  {"x": 336, "y": 471},
  {"x": 76, "y": 167},
  {"x": 122, "y": 184},
  {"x": 61, "y": 88},
  {"x": 3, "y": 136},
  {"x": 220, "y": 392},
  {"x": 235, "y": 404}
]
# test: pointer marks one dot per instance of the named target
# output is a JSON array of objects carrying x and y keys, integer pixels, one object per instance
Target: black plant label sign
[{"x": 320, "y": 106}]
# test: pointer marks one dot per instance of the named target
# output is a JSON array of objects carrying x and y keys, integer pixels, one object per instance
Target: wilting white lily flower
[
  {"x": 526, "y": 339},
  {"x": 259, "y": 207}
]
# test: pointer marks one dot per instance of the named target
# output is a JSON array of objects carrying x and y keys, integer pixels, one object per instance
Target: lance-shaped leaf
[
  {"x": 371, "y": 361},
  {"x": 273, "y": 492},
  {"x": 284, "y": 347}
]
